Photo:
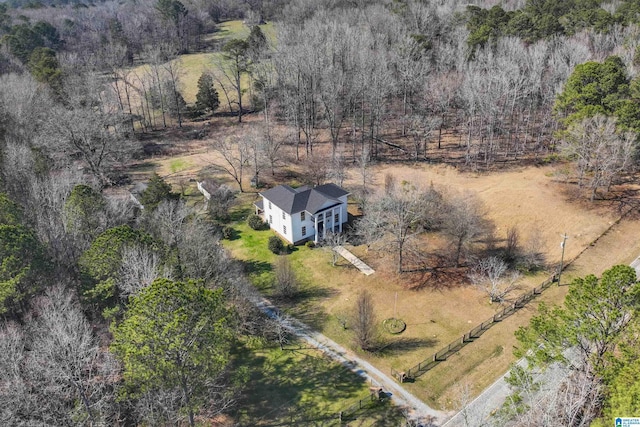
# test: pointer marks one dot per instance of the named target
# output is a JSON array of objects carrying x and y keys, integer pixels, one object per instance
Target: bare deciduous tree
[
  {"x": 397, "y": 217},
  {"x": 330, "y": 241},
  {"x": 286, "y": 282},
  {"x": 140, "y": 267},
  {"x": 236, "y": 155},
  {"x": 491, "y": 275},
  {"x": 463, "y": 221},
  {"x": 220, "y": 202},
  {"x": 364, "y": 322},
  {"x": 601, "y": 153},
  {"x": 469, "y": 413},
  {"x": 54, "y": 372}
]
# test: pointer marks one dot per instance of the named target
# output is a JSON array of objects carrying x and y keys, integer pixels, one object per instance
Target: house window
[
  {"x": 302, "y": 217},
  {"x": 269, "y": 205},
  {"x": 284, "y": 215},
  {"x": 336, "y": 218},
  {"x": 304, "y": 231},
  {"x": 270, "y": 220},
  {"x": 284, "y": 229}
]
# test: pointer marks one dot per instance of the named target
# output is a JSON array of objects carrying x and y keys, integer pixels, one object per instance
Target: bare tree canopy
[{"x": 364, "y": 322}]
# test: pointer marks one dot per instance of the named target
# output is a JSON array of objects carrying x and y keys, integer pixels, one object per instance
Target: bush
[
  {"x": 227, "y": 232},
  {"x": 310, "y": 244},
  {"x": 275, "y": 245},
  {"x": 255, "y": 222}
]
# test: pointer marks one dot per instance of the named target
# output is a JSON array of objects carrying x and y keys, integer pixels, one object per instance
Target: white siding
[
  {"x": 278, "y": 223},
  {"x": 293, "y": 223},
  {"x": 297, "y": 224}
]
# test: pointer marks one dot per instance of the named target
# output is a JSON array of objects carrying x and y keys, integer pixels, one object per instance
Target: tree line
[
  {"x": 410, "y": 77},
  {"x": 75, "y": 260}
]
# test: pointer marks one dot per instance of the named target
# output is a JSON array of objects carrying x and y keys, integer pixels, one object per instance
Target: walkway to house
[{"x": 354, "y": 260}]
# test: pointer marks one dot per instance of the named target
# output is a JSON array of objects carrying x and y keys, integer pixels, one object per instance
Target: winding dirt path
[{"x": 417, "y": 411}]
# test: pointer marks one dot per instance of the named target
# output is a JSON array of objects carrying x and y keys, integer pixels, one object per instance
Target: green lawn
[
  {"x": 236, "y": 29},
  {"x": 299, "y": 386},
  {"x": 250, "y": 247}
]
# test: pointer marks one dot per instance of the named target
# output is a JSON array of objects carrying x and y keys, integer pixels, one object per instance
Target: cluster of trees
[
  {"x": 175, "y": 303},
  {"x": 543, "y": 19},
  {"x": 408, "y": 71},
  {"x": 601, "y": 109},
  {"x": 411, "y": 70},
  {"x": 395, "y": 220},
  {"x": 591, "y": 342},
  {"x": 75, "y": 259}
]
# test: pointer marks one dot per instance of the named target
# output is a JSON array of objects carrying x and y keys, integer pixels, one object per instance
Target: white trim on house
[{"x": 290, "y": 211}]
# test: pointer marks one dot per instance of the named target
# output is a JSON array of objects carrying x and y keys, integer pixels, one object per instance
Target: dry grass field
[{"x": 436, "y": 310}]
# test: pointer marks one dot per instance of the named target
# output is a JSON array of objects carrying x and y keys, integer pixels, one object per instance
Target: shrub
[
  {"x": 275, "y": 245},
  {"x": 310, "y": 244},
  {"x": 227, "y": 232},
  {"x": 255, "y": 222}
]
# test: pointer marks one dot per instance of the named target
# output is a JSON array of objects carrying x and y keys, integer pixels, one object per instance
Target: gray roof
[
  {"x": 331, "y": 190},
  {"x": 210, "y": 186},
  {"x": 301, "y": 199}
]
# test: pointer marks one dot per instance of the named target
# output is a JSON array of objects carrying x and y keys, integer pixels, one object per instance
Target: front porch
[{"x": 328, "y": 219}]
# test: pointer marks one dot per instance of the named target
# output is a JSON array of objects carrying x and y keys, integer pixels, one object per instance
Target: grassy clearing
[
  {"x": 329, "y": 294},
  {"x": 299, "y": 386},
  {"x": 191, "y": 66},
  {"x": 178, "y": 165},
  {"x": 236, "y": 29},
  {"x": 434, "y": 316},
  {"x": 479, "y": 363}
]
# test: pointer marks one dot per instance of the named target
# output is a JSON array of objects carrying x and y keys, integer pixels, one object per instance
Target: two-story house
[{"x": 300, "y": 214}]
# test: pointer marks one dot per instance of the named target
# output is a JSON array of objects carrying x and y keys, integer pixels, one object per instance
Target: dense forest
[{"x": 104, "y": 305}]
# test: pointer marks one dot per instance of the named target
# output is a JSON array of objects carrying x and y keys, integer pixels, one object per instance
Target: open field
[{"x": 191, "y": 66}]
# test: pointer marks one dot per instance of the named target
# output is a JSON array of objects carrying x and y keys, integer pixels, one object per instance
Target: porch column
[
  {"x": 340, "y": 218},
  {"x": 324, "y": 225},
  {"x": 315, "y": 230}
]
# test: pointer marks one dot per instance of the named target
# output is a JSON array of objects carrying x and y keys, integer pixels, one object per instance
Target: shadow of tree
[
  {"x": 240, "y": 213},
  {"x": 256, "y": 267},
  {"x": 398, "y": 345},
  {"x": 233, "y": 234},
  {"x": 305, "y": 306},
  {"x": 439, "y": 278},
  {"x": 297, "y": 387}
]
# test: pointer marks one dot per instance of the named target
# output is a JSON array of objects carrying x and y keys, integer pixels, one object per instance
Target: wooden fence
[
  {"x": 456, "y": 345},
  {"x": 361, "y": 407}
]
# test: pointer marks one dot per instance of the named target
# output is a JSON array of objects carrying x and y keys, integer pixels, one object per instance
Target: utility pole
[
  {"x": 562, "y": 245},
  {"x": 395, "y": 305}
]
